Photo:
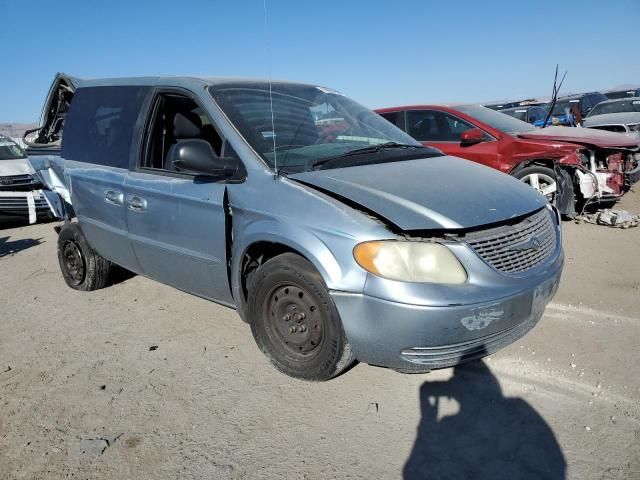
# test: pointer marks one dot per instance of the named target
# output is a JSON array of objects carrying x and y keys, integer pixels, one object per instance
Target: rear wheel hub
[{"x": 73, "y": 262}]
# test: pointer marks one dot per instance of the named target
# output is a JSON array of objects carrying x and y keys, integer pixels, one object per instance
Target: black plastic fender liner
[{"x": 565, "y": 195}]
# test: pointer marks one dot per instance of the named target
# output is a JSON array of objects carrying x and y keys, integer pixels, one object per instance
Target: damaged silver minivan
[{"x": 334, "y": 234}]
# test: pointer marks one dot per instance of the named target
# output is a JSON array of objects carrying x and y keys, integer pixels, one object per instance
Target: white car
[{"x": 22, "y": 193}]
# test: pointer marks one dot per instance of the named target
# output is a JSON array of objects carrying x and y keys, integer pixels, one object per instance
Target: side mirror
[
  {"x": 196, "y": 155},
  {"x": 471, "y": 137}
]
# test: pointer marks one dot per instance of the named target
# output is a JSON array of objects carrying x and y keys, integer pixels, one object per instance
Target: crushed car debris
[
  {"x": 611, "y": 218},
  {"x": 21, "y": 190}
]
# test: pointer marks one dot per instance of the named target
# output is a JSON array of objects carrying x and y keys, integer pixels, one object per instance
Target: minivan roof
[{"x": 178, "y": 80}]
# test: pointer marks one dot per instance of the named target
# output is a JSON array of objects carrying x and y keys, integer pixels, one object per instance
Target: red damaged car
[{"x": 570, "y": 166}]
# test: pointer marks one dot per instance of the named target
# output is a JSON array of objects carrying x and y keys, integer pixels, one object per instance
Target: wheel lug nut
[
  {"x": 293, "y": 329},
  {"x": 303, "y": 329},
  {"x": 287, "y": 317}
]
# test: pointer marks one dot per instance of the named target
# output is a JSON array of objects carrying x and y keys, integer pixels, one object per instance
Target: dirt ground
[{"x": 84, "y": 393}]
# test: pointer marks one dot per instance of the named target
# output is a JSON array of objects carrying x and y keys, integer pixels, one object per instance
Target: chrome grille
[
  {"x": 516, "y": 248},
  {"x": 18, "y": 183}
]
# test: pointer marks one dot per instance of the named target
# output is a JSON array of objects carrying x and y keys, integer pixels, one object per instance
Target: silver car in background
[
  {"x": 621, "y": 115},
  {"x": 334, "y": 234}
]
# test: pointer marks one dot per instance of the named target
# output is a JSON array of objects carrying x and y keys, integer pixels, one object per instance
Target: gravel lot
[{"x": 84, "y": 393}]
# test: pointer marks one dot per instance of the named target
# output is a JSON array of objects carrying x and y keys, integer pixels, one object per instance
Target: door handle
[
  {"x": 113, "y": 197},
  {"x": 136, "y": 204}
]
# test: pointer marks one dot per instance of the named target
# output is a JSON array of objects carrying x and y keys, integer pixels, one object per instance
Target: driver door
[{"x": 176, "y": 220}]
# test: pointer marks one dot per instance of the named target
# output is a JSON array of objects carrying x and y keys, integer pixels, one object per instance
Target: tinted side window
[
  {"x": 535, "y": 114},
  {"x": 456, "y": 127},
  {"x": 176, "y": 118},
  {"x": 423, "y": 125},
  {"x": 434, "y": 126},
  {"x": 100, "y": 124},
  {"x": 531, "y": 115},
  {"x": 596, "y": 99},
  {"x": 397, "y": 118}
]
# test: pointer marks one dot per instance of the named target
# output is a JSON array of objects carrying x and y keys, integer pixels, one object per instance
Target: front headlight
[{"x": 410, "y": 261}]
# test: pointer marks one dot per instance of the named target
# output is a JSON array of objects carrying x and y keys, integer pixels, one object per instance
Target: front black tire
[
  {"x": 294, "y": 320},
  {"x": 81, "y": 266}
]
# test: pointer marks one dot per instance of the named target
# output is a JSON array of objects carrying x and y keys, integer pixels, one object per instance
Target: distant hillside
[{"x": 15, "y": 129}]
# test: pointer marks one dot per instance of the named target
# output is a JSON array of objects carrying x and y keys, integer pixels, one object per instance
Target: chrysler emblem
[{"x": 533, "y": 243}]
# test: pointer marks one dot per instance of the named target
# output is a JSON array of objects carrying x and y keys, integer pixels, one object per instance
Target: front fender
[{"x": 329, "y": 252}]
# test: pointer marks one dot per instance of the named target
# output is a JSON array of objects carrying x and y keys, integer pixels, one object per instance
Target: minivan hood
[
  {"x": 581, "y": 136},
  {"x": 432, "y": 193}
]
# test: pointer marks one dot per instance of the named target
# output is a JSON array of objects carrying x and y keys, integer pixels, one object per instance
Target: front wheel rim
[
  {"x": 73, "y": 261},
  {"x": 294, "y": 322},
  {"x": 543, "y": 183}
]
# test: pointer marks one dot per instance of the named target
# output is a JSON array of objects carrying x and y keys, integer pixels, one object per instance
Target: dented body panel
[
  {"x": 382, "y": 318},
  {"x": 413, "y": 203},
  {"x": 581, "y": 136}
]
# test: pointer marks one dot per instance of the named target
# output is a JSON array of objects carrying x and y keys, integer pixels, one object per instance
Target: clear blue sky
[{"x": 379, "y": 52}]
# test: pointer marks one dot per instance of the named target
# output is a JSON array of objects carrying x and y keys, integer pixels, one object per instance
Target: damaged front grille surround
[
  {"x": 513, "y": 249},
  {"x": 19, "y": 183},
  {"x": 20, "y": 204}
]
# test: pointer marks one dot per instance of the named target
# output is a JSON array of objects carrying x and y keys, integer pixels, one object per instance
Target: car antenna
[
  {"x": 554, "y": 94},
  {"x": 273, "y": 125}
]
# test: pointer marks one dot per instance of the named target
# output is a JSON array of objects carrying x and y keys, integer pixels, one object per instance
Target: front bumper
[
  {"x": 418, "y": 338},
  {"x": 32, "y": 204}
]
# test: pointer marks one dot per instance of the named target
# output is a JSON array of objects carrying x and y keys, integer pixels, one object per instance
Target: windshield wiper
[{"x": 362, "y": 151}]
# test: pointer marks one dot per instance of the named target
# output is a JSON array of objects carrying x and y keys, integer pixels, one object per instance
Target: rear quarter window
[{"x": 100, "y": 124}]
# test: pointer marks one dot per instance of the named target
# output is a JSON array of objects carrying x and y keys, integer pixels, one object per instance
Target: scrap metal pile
[{"x": 611, "y": 218}]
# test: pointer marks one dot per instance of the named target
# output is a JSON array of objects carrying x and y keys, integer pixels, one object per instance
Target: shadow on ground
[
  {"x": 13, "y": 222},
  {"x": 117, "y": 274},
  {"x": 12, "y": 247},
  {"x": 485, "y": 436},
  {"x": 17, "y": 221}
]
